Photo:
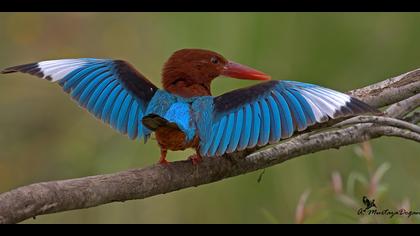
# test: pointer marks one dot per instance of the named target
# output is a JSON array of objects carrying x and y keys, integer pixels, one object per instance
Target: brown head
[{"x": 189, "y": 72}]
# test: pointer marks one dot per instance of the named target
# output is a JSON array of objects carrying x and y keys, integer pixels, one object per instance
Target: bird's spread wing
[
  {"x": 268, "y": 112},
  {"x": 112, "y": 90}
]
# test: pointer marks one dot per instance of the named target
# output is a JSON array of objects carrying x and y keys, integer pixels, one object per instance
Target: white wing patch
[
  {"x": 319, "y": 115},
  {"x": 58, "y": 69},
  {"x": 325, "y": 102}
]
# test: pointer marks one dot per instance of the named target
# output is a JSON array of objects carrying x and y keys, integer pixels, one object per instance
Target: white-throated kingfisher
[{"x": 184, "y": 114}]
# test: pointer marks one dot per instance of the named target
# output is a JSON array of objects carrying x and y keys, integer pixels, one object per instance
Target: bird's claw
[
  {"x": 163, "y": 162},
  {"x": 195, "y": 159}
]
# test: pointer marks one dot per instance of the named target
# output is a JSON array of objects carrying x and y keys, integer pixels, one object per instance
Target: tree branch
[
  {"x": 390, "y": 91},
  {"x": 414, "y": 118},
  {"x": 380, "y": 120},
  {"x": 57, "y": 196},
  {"x": 400, "y": 109}
]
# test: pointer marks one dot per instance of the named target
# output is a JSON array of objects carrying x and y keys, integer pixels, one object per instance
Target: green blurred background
[{"x": 45, "y": 136}]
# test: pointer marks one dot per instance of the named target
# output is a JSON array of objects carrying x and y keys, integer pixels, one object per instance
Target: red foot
[
  {"x": 163, "y": 162},
  {"x": 195, "y": 159},
  {"x": 162, "y": 159}
]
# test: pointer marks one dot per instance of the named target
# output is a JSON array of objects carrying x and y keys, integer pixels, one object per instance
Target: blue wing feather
[
  {"x": 275, "y": 122},
  {"x": 141, "y": 130},
  {"x": 306, "y": 108},
  {"x": 285, "y": 116},
  {"x": 268, "y": 112},
  {"x": 226, "y": 135},
  {"x": 239, "y": 122},
  {"x": 84, "y": 97},
  {"x": 78, "y": 77},
  {"x": 103, "y": 98},
  {"x": 123, "y": 114},
  {"x": 132, "y": 120},
  {"x": 72, "y": 78},
  {"x": 116, "y": 108},
  {"x": 246, "y": 130},
  {"x": 96, "y": 93},
  {"x": 265, "y": 123},
  {"x": 81, "y": 86},
  {"x": 107, "y": 108},
  {"x": 206, "y": 143},
  {"x": 256, "y": 125},
  {"x": 297, "y": 112},
  {"x": 206, "y": 126},
  {"x": 112, "y": 90},
  {"x": 218, "y": 136}
]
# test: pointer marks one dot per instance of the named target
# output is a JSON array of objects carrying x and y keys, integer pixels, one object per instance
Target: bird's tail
[{"x": 153, "y": 121}]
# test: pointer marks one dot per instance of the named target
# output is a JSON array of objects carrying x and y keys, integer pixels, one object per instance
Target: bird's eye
[{"x": 214, "y": 60}]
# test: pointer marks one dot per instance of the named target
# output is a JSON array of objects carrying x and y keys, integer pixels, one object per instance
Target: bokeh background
[{"x": 45, "y": 136}]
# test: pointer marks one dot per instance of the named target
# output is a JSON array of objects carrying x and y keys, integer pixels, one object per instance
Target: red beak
[{"x": 238, "y": 71}]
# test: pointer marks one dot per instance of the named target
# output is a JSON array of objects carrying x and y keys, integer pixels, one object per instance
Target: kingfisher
[{"x": 184, "y": 114}]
